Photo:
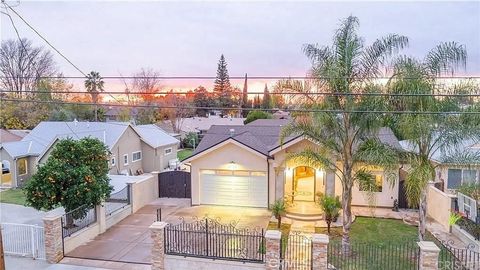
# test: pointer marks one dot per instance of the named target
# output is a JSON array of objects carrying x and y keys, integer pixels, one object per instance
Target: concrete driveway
[
  {"x": 129, "y": 240},
  {"x": 13, "y": 213}
]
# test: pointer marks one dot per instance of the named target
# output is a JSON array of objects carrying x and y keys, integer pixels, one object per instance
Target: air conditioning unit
[{"x": 173, "y": 164}]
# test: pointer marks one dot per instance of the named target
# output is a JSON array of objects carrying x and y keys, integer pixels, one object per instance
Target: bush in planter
[
  {"x": 278, "y": 210},
  {"x": 331, "y": 208}
]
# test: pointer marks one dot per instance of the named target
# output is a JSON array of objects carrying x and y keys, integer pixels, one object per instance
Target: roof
[
  {"x": 154, "y": 136},
  {"x": 196, "y": 124},
  {"x": 467, "y": 146},
  {"x": 45, "y": 134},
  {"x": 263, "y": 135},
  {"x": 8, "y": 136}
]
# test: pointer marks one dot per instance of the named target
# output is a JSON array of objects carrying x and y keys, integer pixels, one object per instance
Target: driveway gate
[
  {"x": 23, "y": 240},
  {"x": 174, "y": 184}
]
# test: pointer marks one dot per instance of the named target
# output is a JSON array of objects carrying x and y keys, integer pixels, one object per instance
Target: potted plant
[
  {"x": 453, "y": 219},
  {"x": 278, "y": 210},
  {"x": 331, "y": 208}
]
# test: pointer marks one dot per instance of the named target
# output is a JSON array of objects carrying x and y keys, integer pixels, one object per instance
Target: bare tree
[
  {"x": 23, "y": 66},
  {"x": 146, "y": 82},
  {"x": 175, "y": 108}
]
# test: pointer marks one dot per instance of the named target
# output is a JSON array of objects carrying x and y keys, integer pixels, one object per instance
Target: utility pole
[{"x": 2, "y": 255}]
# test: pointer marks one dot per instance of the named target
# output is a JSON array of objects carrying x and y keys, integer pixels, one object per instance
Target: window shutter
[
  {"x": 473, "y": 210},
  {"x": 460, "y": 200}
]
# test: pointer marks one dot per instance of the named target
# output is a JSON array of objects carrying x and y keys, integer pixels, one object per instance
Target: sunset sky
[{"x": 258, "y": 38}]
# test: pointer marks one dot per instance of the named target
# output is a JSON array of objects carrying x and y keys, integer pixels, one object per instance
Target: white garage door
[{"x": 236, "y": 188}]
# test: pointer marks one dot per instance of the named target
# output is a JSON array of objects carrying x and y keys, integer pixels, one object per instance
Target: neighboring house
[
  {"x": 115, "y": 114},
  {"x": 8, "y": 136},
  {"x": 200, "y": 125},
  {"x": 451, "y": 174},
  {"x": 134, "y": 149},
  {"x": 247, "y": 166}
]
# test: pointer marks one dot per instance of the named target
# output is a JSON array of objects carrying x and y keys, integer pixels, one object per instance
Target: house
[
  {"x": 199, "y": 125},
  {"x": 450, "y": 174},
  {"x": 134, "y": 149},
  {"x": 246, "y": 165},
  {"x": 10, "y": 135}
]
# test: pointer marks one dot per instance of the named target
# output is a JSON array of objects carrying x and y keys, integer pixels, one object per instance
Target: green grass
[
  {"x": 15, "y": 196},
  {"x": 184, "y": 153}
]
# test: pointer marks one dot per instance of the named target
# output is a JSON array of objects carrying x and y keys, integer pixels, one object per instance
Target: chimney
[{"x": 232, "y": 132}]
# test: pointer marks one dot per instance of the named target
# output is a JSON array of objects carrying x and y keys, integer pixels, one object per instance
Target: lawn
[
  {"x": 15, "y": 196},
  {"x": 184, "y": 153}
]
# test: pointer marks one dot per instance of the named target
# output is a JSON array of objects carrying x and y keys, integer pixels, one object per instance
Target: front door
[{"x": 304, "y": 184}]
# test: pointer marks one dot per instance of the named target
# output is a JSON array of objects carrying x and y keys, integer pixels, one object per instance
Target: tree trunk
[
  {"x": 329, "y": 222},
  {"x": 422, "y": 215},
  {"x": 279, "y": 221},
  {"x": 347, "y": 218}
]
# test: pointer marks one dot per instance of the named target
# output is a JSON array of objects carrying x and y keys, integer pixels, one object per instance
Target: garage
[{"x": 234, "y": 188}]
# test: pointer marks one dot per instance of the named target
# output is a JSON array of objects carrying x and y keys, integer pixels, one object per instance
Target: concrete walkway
[{"x": 14, "y": 213}]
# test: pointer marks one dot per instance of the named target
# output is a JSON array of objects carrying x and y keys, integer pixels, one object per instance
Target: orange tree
[{"x": 74, "y": 176}]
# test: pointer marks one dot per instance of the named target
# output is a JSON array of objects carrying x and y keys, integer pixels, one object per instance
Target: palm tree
[
  {"x": 331, "y": 206},
  {"x": 346, "y": 68},
  {"x": 428, "y": 134},
  {"x": 94, "y": 85},
  {"x": 278, "y": 210}
]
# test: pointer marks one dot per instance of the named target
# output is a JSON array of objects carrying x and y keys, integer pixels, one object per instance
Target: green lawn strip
[
  {"x": 14, "y": 196},
  {"x": 184, "y": 153},
  {"x": 377, "y": 244}
]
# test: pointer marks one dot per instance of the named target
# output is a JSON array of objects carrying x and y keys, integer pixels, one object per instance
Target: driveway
[
  {"x": 14, "y": 213},
  {"x": 130, "y": 241}
]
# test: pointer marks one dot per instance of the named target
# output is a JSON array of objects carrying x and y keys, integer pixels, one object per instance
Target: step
[{"x": 304, "y": 217}]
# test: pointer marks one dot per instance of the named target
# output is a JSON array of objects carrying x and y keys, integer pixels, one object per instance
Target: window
[
  {"x": 457, "y": 177},
  {"x": 168, "y": 151},
  {"x": 378, "y": 183},
  {"x": 22, "y": 166},
  {"x": 136, "y": 156},
  {"x": 125, "y": 159},
  {"x": 5, "y": 167},
  {"x": 112, "y": 161}
]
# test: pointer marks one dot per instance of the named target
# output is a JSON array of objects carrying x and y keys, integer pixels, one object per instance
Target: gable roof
[
  {"x": 263, "y": 135},
  {"x": 155, "y": 136},
  {"x": 8, "y": 136}
]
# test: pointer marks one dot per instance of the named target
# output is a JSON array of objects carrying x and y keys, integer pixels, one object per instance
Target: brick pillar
[
  {"x": 319, "y": 251},
  {"x": 158, "y": 249},
  {"x": 428, "y": 255},
  {"x": 53, "y": 238},
  {"x": 272, "y": 247}
]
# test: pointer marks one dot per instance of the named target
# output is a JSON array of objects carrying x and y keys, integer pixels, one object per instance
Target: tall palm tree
[
  {"x": 429, "y": 134},
  {"x": 347, "y": 140},
  {"x": 94, "y": 84}
]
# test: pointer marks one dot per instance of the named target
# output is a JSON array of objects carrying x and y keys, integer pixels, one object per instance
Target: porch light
[
  {"x": 232, "y": 165},
  {"x": 319, "y": 172}
]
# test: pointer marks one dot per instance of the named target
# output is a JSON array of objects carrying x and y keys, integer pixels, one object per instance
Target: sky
[{"x": 258, "y": 38}]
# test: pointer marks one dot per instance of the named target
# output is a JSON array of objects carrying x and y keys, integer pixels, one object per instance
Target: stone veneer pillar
[
  {"x": 158, "y": 249},
  {"x": 319, "y": 251},
  {"x": 53, "y": 238},
  {"x": 272, "y": 249},
  {"x": 428, "y": 255}
]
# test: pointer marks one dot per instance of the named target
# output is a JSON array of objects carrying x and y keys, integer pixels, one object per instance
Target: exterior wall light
[{"x": 232, "y": 165}]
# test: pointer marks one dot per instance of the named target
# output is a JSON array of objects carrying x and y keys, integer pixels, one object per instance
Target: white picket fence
[{"x": 23, "y": 240}]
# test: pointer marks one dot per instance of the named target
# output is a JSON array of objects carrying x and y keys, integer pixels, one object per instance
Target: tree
[
  {"x": 22, "y": 66},
  {"x": 428, "y": 134},
  {"x": 201, "y": 98},
  {"x": 75, "y": 175},
  {"x": 222, "y": 90},
  {"x": 94, "y": 84},
  {"x": 346, "y": 141},
  {"x": 257, "y": 102},
  {"x": 254, "y": 115},
  {"x": 146, "y": 82},
  {"x": 266, "y": 100},
  {"x": 331, "y": 207},
  {"x": 246, "y": 103},
  {"x": 175, "y": 110},
  {"x": 278, "y": 210}
]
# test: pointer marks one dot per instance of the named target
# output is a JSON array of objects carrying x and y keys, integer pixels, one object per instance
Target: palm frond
[
  {"x": 418, "y": 176},
  {"x": 463, "y": 158},
  {"x": 372, "y": 151},
  {"x": 445, "y": 58}
]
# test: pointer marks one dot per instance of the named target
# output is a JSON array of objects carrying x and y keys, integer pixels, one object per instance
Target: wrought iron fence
[
  {"x": 296, "y": 251},
  {"x": 390, "y": 256},
  {"x": 78, "y": 219},
  {"x": 455, "y": 258},
  {"x": 117, "y": 201},
  {"x": 470, "y": 227},
  {"x": 23, "y": 240},
  {"x": 208, "y": 238}
]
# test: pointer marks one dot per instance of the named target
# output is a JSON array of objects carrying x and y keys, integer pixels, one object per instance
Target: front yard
[
  {"x": 13, "y": 196},
  {"x": 184, "y": 153}
]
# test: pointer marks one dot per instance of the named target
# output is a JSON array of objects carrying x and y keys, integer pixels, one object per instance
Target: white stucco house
[
  {"x": 247, "y": 166},
  {"x": 134, "y": 149}
]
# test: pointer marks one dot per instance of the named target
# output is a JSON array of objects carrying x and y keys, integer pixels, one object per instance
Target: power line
[
  {"x": 258, "y": 93},
  {"x": 249, "y": 77},
  {"x": 240, "y": 109}
]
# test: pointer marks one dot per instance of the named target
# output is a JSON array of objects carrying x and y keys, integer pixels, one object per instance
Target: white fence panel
[
  {"x": 467, "y": 206},
  {"x": 23, "y": 240}
]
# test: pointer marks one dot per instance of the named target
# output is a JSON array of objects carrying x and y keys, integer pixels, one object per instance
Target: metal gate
[
  {"x": 174, "y": 184},
  {"x": 296, "y": 252},
  {"x": 23, "y": 240}
]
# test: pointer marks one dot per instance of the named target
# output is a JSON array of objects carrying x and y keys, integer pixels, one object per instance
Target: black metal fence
[
  {"x": 208, "y": 238},
  {"x": 78, "y": 219},
  {"x": 117, "y": 201},
  {"x": 455, "y": 258},
  {"x": 296, "y": 251},
  {"x": 374, "y": 257}
]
